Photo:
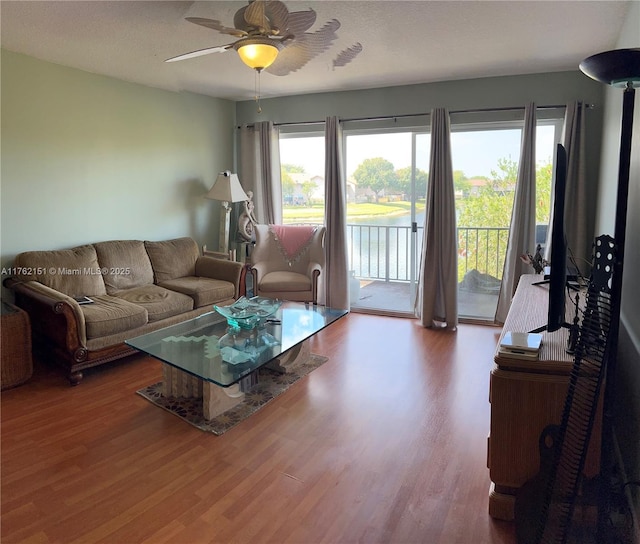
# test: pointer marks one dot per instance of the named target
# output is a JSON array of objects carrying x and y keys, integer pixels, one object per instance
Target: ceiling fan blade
[
  {"x": 255, "y": 16},
  {"x": 303, "y": 48},
  {"x": 278, "y": 16},
  {"x": 301, "y": 21},
  {"x": 201, "y": 52},
  {"x": 216, "y": 25},
  {"x": 239, "y": 20},
  {"x": 346, "y": 56}
]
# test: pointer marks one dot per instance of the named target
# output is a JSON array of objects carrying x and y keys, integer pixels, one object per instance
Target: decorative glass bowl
[
  {"x": 249, "y": 313},
  {"x": 246, "y": 337}
]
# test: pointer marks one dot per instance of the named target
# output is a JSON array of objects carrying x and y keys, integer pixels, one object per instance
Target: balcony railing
[{"x": 384, "y": 252}]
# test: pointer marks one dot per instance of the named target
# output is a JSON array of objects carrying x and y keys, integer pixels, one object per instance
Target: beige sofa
[{"x": 136, "y": 287}]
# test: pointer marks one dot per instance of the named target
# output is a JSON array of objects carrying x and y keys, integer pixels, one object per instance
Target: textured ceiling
[{"x": 403, "y": 42}]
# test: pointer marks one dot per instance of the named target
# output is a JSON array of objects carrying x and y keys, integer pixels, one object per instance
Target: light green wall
[
  {"x": 494, "y": 92},
  {"x": 87, "y": 158},
  {"x": 627, "y": 422}
]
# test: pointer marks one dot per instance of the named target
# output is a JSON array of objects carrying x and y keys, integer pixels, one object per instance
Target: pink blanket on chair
[{"x": 292, "y": 240}]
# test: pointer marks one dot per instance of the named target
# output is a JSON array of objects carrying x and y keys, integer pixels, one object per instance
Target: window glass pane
[
  {"x": 546, "y": 137},
  {"x": 485, "y": 169},
  {"x": 379, "y": 178},
  {"x": 485, "y": 164},
  {"x": 302, "y": 168}
]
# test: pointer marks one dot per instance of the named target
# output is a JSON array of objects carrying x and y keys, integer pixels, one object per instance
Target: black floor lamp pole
[
  {"x": 607, "y": 459},
  {"x": 618, "y": 67}
]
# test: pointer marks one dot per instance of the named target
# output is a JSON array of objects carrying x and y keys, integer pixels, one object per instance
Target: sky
[{"x": 476, "y": 153}]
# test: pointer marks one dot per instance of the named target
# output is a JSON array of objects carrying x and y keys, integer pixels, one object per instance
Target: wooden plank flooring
[{"x": 386, "y": 442}]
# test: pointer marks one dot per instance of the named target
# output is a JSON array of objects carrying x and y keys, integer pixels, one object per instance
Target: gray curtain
[
  {"x": 575, "y": 214},
  {"x": 575, "y": 220},
  {"x": 522, "y": 230},
  {"x": 259, "y": 169},
  {"x": 336, "y": 282},
  {"x": 437, "y": 298}
]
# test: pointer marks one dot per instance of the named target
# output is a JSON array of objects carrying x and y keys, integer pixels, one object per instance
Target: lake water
[{"x": 381, "y": 247}]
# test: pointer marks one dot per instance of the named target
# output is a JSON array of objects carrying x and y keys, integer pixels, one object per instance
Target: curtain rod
[{"x": 407, "y": 115}]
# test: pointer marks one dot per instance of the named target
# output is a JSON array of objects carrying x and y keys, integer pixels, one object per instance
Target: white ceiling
[{"x": 404, "y": 42}]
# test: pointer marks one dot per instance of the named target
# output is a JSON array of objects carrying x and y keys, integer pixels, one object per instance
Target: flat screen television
[{"x": 558, "y": 267}]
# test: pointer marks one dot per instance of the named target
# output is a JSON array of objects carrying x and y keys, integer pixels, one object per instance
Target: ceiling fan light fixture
[{"x": 257, "y": 52}]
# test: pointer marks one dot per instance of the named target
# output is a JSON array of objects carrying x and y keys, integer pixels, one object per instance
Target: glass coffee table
[{"x": 196, "y": 363}]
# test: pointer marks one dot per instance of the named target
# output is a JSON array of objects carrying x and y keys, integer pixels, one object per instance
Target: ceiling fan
[{"x": 274, "y": 39}]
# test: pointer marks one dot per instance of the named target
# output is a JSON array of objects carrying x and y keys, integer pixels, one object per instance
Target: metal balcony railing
[{"x": 387, "y": 253}]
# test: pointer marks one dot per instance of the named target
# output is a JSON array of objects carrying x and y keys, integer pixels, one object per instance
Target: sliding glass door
[
  {"x": 485, "y": 163},
  {"x": 387, "y": 181}
]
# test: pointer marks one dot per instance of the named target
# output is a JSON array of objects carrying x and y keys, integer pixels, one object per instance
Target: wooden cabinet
[{"x": 525, "y": 397}]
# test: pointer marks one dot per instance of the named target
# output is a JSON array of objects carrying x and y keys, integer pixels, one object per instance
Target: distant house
[
  {"x": 351, "y": 190},
  {"x": 476, "y": 185},
  {"x": 360, "y": 194},
  {"x": 300, "y": 197}
]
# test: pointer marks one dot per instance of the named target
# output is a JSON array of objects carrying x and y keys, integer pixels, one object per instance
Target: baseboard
[{"x": 635, "y": 518}]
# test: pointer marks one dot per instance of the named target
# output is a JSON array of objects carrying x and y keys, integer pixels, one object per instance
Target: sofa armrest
[
  {"x": 53, "y": 314},
  {"x": 220, "y": 269}
]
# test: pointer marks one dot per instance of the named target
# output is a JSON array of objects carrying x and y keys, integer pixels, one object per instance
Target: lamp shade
[
  {"x": 227, "y": 188},
  {"x": 257, "y": 52},
  {"x": 619, "y": 67}
]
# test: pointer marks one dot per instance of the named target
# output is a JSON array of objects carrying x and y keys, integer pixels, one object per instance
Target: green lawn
[{"x": 366, "y": 209}]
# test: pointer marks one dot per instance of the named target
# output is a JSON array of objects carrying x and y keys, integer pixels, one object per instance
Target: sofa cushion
[
  {"x": 173, "y": 258},
  {"x": 74, "y": 272},
  {"x": 285, "y": 281},
  {"x": 125, "y": 264},
  {"x": 110, "y": 315},
  {"x": 157, "y": 301},
  {"x": 203, "y": 291}
]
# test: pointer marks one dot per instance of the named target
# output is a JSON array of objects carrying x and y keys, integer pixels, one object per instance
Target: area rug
[{"x": 270, "y": 385}]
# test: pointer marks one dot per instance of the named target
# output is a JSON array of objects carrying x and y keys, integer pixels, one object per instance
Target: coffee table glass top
[{"x": 208, "y": 348}]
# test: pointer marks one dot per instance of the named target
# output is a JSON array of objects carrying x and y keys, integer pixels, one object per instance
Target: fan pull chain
[{"x": 257, "y": 90}]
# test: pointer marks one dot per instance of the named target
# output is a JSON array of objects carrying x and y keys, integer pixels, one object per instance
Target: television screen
[
  {"x": 558, "y": 256},
  {"x": 557, "y": 275}
]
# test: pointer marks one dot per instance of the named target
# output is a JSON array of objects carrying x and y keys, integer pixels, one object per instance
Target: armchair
[{"x": 287, "y": 261}]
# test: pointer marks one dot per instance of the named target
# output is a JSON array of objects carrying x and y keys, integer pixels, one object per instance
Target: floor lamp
[
  {"x": 619, "y": 68},
  {"x": 227, "y": 189}
]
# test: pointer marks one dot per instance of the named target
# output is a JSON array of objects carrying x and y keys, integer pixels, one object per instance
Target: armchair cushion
[
  {"x": 285, "y": 281},
  {"x": 173, "y": 258}
]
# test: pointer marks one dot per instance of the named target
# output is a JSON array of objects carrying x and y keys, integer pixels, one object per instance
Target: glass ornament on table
[{"x": 246, "y": 337}]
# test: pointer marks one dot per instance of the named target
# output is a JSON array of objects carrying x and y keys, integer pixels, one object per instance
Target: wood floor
[{"x": 386, "y": 442}]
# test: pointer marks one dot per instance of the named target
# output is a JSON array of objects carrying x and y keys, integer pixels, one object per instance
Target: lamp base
[{"x": 223, "y": 240}]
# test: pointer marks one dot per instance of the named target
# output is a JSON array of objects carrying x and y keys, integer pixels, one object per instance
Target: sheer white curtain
[
  {"x": 437, "y": 298},
  {"x": 522, "y": 231},
  {"x": 259, "y": 169},
  {"x": 336, "y": 283}
]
